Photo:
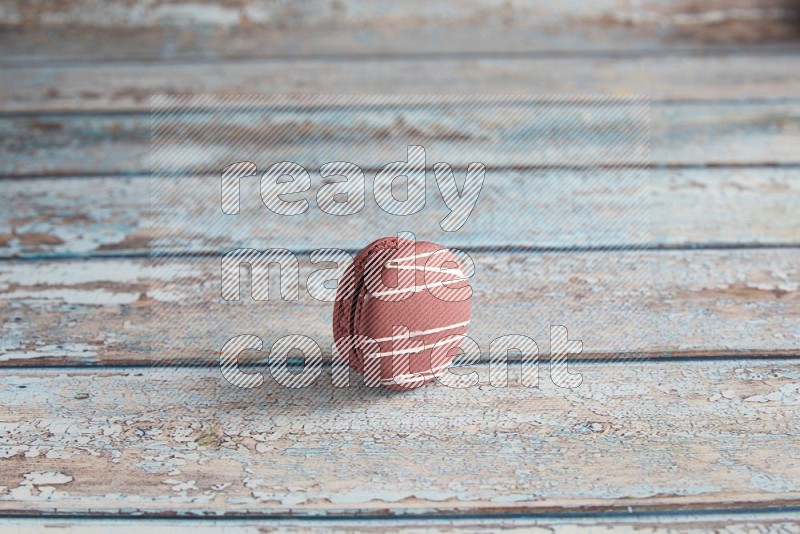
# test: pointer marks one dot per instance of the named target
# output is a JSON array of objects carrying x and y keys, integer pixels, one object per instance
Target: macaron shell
[
  {"x": 424, "y": 311},
  {"x": 346, "y": 298}
]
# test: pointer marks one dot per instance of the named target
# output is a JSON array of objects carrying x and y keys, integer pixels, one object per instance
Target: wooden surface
[
  {"x": 185, "y": 441},
  {"x": 747, "y": 75},
  {"x": 768, "y": 522},
  {"x": 691, "y": 523},
  {"x": 172, "y": 29},
  {"x": 686, "y": 207},
  {"x": 682, "y": 134},
  {"x": 687, "y": 419},
  {"x": 634, "y": 303}
]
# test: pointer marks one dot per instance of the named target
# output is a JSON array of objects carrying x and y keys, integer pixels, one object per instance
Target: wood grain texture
[
  {"x": 87, "y": 30},
  {"x": 699, "y": 134},
  {"x": 763, "y": 522},
  {"x": 621, "y": 304},
  {"x": 654, "y": 436},
  {"x": 62, "y": 217},
  {"x": 309, "y": 13},
  {"x": 202, "y": 14},
  {"x": 128, "y": 86},
  {"x": 653, "y": 440}
]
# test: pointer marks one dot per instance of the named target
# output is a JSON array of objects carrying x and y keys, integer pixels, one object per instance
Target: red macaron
[{"x": 401, "y": 310}]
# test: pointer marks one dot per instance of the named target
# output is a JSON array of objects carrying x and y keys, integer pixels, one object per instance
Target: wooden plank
[
  {"x": 699, "y": 134},
  {"x": 687, "y": 207},
  {"x": 314, "y": 13},
  {"x": 178, "y": 29},
  {"x": 620, "y": 304},
  {"x": 766, "y": 522},
  {"x": 128, "y": 86},
  {"x": 647, "y": 437}
]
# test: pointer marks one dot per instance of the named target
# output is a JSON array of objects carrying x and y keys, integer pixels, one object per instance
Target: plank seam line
[
  {"x": 522, "y": 249},
  {"x": 296, "y": 364},
  {"x": 630, "y": 512},
  {"x": 22, "y": 62},
  {"x": 455, "y": 167},
  {"x": 591, "y": 100}
]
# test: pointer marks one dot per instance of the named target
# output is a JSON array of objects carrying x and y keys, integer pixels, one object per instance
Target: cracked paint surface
[{"x": 186, "y": 441}]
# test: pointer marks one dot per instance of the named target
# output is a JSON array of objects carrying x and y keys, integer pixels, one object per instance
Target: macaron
[{"x": 401, "y": 310}]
